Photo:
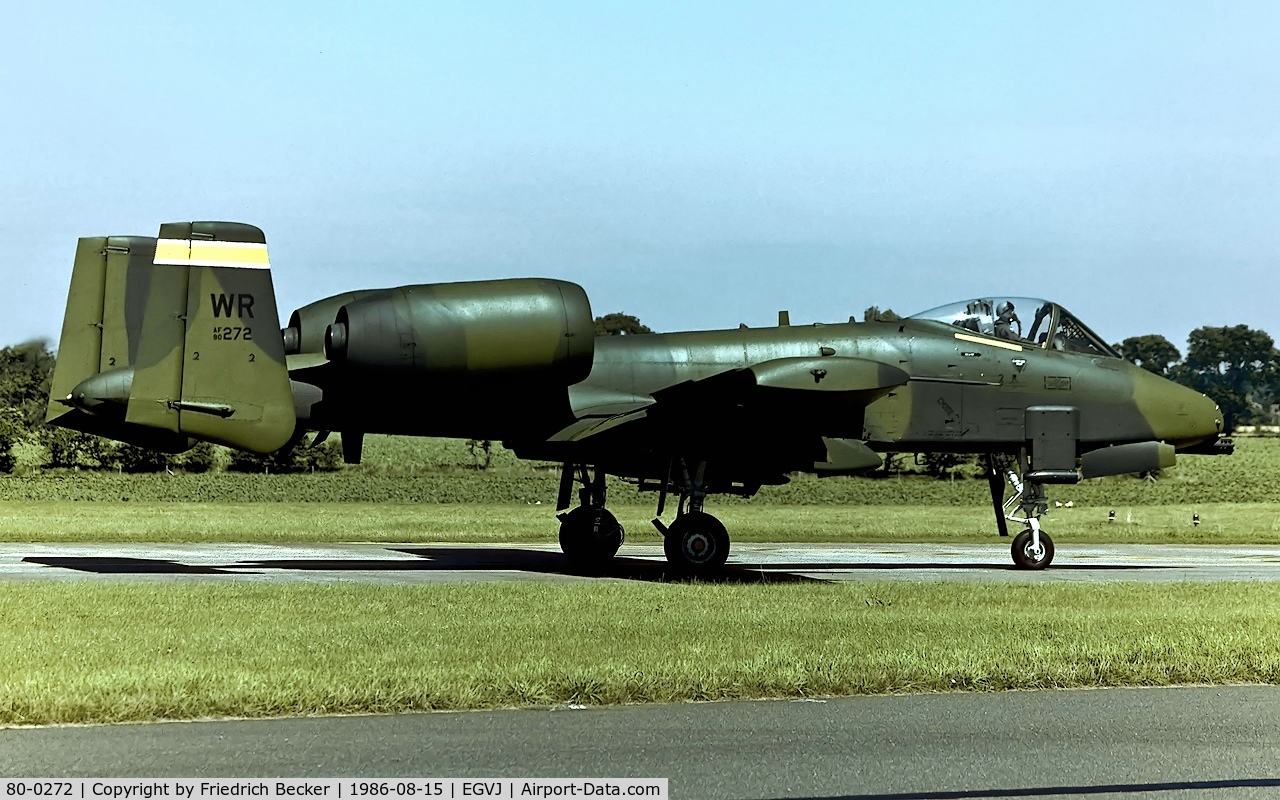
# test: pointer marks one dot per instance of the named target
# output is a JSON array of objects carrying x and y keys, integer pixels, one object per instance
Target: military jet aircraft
[{"x": 174, "y": 339}]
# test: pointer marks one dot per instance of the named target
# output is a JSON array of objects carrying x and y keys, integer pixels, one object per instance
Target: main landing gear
[
  {"x": 590, "y": 534},
  {"x": 696, "y": 543},
  {"x": 1032, "y": 547}
]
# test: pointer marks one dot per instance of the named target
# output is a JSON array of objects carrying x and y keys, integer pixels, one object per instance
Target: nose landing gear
[{"x": 1032, "y": 548}]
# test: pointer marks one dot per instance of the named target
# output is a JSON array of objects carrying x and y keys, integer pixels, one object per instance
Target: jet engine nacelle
[{"x": 535, "y": 329}]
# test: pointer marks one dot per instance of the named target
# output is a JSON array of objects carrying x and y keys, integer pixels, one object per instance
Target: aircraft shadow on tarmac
[
  {"x": 952, "y": 566},
  {"x": 1057, "y": 791},
  {"x": 436, "y": 558},
  {"x": 481, "y": 559},
  {"x": 111, "y": 565}
]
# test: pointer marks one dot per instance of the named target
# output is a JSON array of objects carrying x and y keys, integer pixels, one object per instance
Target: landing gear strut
[
  {"x": 589, "y": 535},
  {"x": 696, "y": 542},
  {"x": 1032, "y": 548}
]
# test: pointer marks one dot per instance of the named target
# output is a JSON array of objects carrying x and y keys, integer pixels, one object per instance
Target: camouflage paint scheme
[{"x": 171, "y": 340}]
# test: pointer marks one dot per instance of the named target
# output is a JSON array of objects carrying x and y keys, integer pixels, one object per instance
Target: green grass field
[
  {"x": 49, "y": 521},
  {"x": 417, "y": 490},
  {"x": 112, "y": 652},
  {"x": 406, "y": 470}
]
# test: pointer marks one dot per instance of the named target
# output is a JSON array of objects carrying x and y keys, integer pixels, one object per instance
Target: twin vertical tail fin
[{"x": 172, "y": 339}]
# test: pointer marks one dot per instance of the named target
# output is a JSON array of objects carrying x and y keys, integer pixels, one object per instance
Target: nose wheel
[
  {"x": 1032, "y": 548},
  {"x": 1031, "y": 554}
]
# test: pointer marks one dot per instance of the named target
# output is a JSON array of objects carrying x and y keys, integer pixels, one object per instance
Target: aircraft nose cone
[
  {"x": 1189, "y": 417},
  {"x": 1179, "y": 415},
  {"x": 1216, "y": 413},
  {"x": 1203, "y": 411}
]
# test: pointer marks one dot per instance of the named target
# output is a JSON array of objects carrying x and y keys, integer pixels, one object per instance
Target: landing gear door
[{"x": 1052, "y": 434}]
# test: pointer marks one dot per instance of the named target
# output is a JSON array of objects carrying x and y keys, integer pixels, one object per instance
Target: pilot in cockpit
[
  {"x": 1005, "y": 320},
  {"x": 1050, "y": 326}
]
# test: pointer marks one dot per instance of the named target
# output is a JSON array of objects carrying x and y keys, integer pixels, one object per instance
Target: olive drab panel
[
  {"x": 157, "y": 375},
  {"x": 80, "y": 347},
  {"x": 1052, "y": 433},
  {"x": 234, "y": 384}
]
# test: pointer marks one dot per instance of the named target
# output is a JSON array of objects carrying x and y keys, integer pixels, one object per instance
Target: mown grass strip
[
  {"x": 98, "y": 653},
  {"x": 1221, "y": 523},
  {"x": 407, "y": 470}
]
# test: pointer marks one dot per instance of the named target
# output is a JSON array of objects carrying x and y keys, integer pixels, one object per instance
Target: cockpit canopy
[{"x": 1025, "y": 320}]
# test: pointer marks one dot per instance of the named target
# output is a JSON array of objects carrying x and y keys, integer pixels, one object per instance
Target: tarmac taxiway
[
  {"x": 749, "y": 562},
  {"x": 1201, "y": 742}
]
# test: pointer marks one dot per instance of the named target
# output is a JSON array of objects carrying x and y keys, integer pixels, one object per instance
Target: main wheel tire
[
  {"x": 697, "y": 543},
  {"x": 590, "y": 536},
  {"x": 1026, "y": 557}
]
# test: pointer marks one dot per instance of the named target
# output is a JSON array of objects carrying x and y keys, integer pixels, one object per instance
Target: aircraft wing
[
  {"x": 793, "y": 382},
  {"x": 817, "y": 394}
]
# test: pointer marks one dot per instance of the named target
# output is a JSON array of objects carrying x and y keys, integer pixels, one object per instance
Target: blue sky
[{"x": 698, "y": 165}]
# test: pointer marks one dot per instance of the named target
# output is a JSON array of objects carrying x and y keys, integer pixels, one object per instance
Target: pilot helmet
[{"x": 1004, "y": 309}]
